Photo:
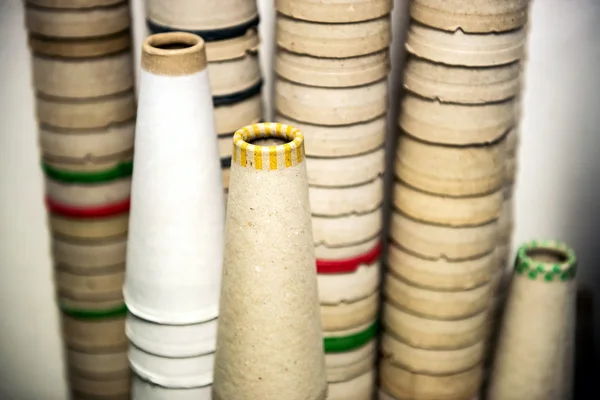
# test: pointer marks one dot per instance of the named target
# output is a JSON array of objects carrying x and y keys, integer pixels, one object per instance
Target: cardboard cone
[
  {"x": 89, "y": 228},
  {"x": 229, "y": 117},
  {"x": 333, "y": 40},
  {"x": 473, "y": 16},
  {"x": 76, "y": 23},
  {"x": 465, "y": 85},
  {"x": 456, "y": 124},
  {"x": 174, "y": 269},
  {"x": 346, "y": 171},
  {"x": 359, "y": 388},
  {"x": 345, "y": 366},
  {"x": 440, "y": 273},
  {"x": 449, "y": 211},
  {"x": 404, "y": 384},
  {"x": 333, "y": 11},
  {"x": 332, "y": 72},
  {"x": 331, "y": 106},
  {"x": 434, "y": 362},
  {"x": 74, "y": 4},
  {"x": 83, "y": 78},
  {"x": 336, "y": 202},
  {"x": 99, "y": 366},
  {"x": 437, "y": 241},
  {"x": 144, "y": 390},
  {"x": 450, "y": 170},
  {"x": 540, "y": 318},
  {"x": 191, "y": 15},
  {"x": 269, "y": 342},
  {"x": 466, "y": 49}
]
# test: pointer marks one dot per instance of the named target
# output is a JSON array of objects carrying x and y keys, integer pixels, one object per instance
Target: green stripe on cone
[
  {"x": 121, "y": 170},
  {"x": 351, "y": 342}
]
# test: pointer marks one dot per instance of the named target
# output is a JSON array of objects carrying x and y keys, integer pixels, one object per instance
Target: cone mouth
[
  {"x": 268, "y": 146},
  {"x": 173, "y": 53},
  {"x": 547, "y": 260}
]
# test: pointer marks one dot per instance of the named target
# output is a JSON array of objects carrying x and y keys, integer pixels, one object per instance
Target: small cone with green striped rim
[{"x": 534, "y": 355}]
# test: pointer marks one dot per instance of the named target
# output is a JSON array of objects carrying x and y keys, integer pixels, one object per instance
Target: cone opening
[
  {"x": 547, "y": 256},
  {"x": 548, "y": 260},
  {"x": 175, "y": 42},
  {"x": 268, "y": 146},
  {"x": 173, "y": 53}
]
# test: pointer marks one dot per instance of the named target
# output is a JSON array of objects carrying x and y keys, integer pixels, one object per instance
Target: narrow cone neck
[{"x": 173, "y": 54}]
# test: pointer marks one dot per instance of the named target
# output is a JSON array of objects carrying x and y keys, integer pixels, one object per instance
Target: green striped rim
[
  {"x": 563, "y": 270},
  {"x": 121, "y": 170},
  {"x": 348, "y": 343},
  {"x": 120, "y": 311}
]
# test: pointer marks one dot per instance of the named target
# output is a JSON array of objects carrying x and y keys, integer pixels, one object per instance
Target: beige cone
[
  {"x": 333, "y": 40},
  {"x": 437, "y": 304},
  {"x": 90, "y": 292},
  {"x": 466, "y": 85},
  {"x": 451, "y": 211},
  {"x": 81, "y": 48},
  {"x": 449, "y": 170},
  {"x": 336, "y": 202},
  {"x": 87, "y": 114},
  {"x": 471, "y": 50},
  {"x": 76, "y": 4},
  {"x": 345, "y": 316},
  {"x": 275, "y": 350},
  {"x": 209, "y": 15},
  {"x": 436, "y": 241},
  {"x": 472, "y": 16},
  {"x": 341, "y": 141},
  {"x": 89, "y": 257},
  {"x": 332, "y": 72},
  {"x": 335, "y": 289},
  {"x": 346, "y": 171},
  {"x": 331, "y": 106},
  {"x": 99, "y": 366},
  {"x": 456, "y": 124},
  {"x": 506, "y": 220},
  {"x": 422, "y": 332},
  {"x": 233, "y": 64},
  {"x": 347, "y": 230},
  {"x": 334, "y": 11},
  {"x": 89, "y": 146},
  {"x": 403, "y": 384},
  {"x": 88, "y": 195},
  {"x": 70, "y": 24},
  {"x": 83, "y": 78},
  {"x": 117, "y": 389},
  {"x": 89, "y": 229},
  {"x": 359, "y": 388},
  {"x": 534, "y": 355},
  {"x": 434, "y": 362},
  {"x": 345, "y": 366},
  {"x": 94, "y": 335},
  {"x": 440, "y": 274}
]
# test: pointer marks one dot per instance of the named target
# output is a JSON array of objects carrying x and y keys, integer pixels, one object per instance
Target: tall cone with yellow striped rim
[{"x": 269, "y": 343}]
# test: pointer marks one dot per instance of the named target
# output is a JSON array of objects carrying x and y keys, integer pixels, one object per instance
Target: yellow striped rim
[{"x": 268, "y": 158}]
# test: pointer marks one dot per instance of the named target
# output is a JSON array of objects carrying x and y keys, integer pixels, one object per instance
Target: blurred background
[{"x": 558, "y": 186}]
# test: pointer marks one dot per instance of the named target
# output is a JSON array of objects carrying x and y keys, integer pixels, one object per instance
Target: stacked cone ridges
[
  {"x": 332, "y": 65},
  {"x": 83, "y": 79},
  {"x": 230, "y": 31},
  {"x": 450, "y": 220}
]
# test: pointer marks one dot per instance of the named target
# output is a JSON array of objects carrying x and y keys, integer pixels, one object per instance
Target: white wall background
[{"x": 558, "y": 195}]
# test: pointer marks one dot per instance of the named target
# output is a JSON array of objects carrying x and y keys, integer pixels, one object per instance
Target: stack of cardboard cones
[
  {"x": 229, "y": 29},
  {"x": 332, "y": 65},
  {"x": 83, "y": 78},
  {"x": 458, "y": 113}
]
